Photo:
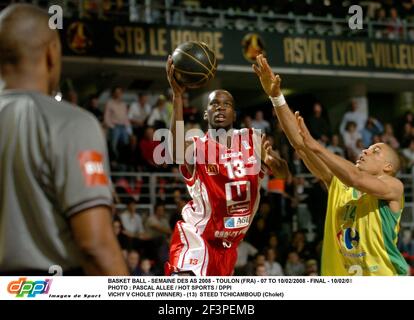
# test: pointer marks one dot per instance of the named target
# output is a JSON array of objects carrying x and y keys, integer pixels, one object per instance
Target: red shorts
[{"x": 190, "y": 252}]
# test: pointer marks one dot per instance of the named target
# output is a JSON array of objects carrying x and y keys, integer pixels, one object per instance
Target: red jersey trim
[
  {"x": 186, "y": 175},
  {"x": 186, "y": 242}
]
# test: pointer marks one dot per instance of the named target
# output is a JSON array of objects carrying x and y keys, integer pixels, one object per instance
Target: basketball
[{"x": 195, "y": 64}]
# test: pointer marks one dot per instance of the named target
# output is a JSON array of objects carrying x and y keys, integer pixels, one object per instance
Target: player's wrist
[{"x": 278, "y": 101}]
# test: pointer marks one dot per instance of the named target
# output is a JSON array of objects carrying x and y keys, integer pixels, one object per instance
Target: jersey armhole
[
  {"x": 334, "y": 184},
  {"x": 385, "y": 205}
]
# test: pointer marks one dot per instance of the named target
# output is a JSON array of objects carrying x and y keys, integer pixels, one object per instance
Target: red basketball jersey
[{"x": 225, "y": 187}]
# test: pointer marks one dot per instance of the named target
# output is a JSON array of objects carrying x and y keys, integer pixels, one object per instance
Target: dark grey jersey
[{"x": 53, "y": 164}]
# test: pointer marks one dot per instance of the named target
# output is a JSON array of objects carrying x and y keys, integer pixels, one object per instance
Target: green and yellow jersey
[{"x": 360, "y": 235}]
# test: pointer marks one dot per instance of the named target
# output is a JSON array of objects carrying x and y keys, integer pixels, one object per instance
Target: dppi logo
[
  {"x": 24, "y": 287},
  {"x": 350, "y": 238}
]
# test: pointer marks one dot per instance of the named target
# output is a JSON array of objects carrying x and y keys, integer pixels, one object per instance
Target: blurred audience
[
  {"x": 294, "y": 265},
  {"x": 116, "y": 119},
  {"x": 244, "y": 251},
  {"x": 318, "y": 124}
]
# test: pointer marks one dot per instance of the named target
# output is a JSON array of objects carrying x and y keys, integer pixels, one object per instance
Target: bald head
[
  {"x": 28, "y": 45},
  {"x": 378, "y": 159},
  {"x": 391, "y": 157},
  {"x": 24, "y": 32}
]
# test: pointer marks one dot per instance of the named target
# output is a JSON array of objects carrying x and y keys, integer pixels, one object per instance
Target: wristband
[{"x": 278, "y": 101}]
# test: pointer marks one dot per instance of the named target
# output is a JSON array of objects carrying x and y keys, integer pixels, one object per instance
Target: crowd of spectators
[
  {"x": 389, "y": 15},
  {"x": 277, "y": 243}
]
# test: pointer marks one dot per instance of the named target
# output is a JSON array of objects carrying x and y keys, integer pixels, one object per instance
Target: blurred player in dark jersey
[{"x": 55, "y": 190}]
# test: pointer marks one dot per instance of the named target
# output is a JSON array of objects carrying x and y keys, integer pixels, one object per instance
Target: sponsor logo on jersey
[
  {"x": 229, "y": 234},
  {"x": 236, "y": 222},
  {"x": 246, "y": 145},
  {"x": 91, "y": 163},
  {"x": 252, "y": 160},
  {"x": 238, "y": 197},
  {"x": 231, "y": 155},
  {"x": 349, "y": 238},
  {"x": 349, "y": 243},
  {"x": 212, "y": 169},
  {"x": 240, "y": 208}
]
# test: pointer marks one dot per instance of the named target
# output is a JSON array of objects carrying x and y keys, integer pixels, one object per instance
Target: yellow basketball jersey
[{"x": 360, "y": 235}]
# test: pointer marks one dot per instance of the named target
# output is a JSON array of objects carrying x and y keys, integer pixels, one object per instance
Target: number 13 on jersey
[{"x": 235, "y": 169}]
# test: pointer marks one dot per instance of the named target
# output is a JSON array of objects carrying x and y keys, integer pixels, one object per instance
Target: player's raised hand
[
  {"x": 308, "y": 140},
  {"x": 270, "y": 82},
  {"x": 273, "y": 160},
  {"x": 177, "y": 89},
  {"x": 270, "y": 156}
]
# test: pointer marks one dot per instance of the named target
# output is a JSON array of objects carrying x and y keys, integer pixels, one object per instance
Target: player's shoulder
[
  {"x": 62, "y": 113},
  {"x": 242, "y": 131},
  {"x": 200, "y": 137},
  {"x": 248, "y": 131},
  {"x": 60, "y": 108},
  {"x": 393, "y": 182}
]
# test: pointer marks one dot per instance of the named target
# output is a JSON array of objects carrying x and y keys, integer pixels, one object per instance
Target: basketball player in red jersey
[{"x": 223, "y": 177}]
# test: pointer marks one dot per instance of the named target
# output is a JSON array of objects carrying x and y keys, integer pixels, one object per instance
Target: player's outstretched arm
[
  {"x": 384, "y": 187},
  {"x": 271, "y": 85},
  {"x": 93, "y": 233},
  {"x": 177, "y": 120},
  {"x": 315, "y": 165}
]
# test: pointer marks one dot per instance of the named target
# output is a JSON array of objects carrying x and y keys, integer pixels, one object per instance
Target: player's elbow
[
  {"x": 88, "y": 248},
  {"x": 95, "y": 246},
  {"x": 103, "y": 258}
]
